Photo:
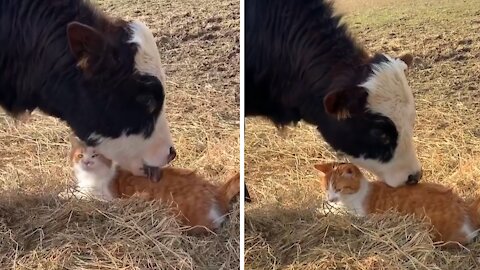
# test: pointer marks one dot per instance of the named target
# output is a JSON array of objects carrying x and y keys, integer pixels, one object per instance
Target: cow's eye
[
  {"x": 384, "y": 138},
  {"x": 148, "y": 101},
  {"x": 115, "y": 57},
  {"x": 378, "y": 134}
]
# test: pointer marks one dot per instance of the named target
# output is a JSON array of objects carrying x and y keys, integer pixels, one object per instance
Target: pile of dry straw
[
  {"x": 287, "y": 226},
  {"x": 199, "y": 46}
]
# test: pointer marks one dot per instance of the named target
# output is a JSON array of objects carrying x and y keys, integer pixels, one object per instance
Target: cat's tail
[{"x": 231, "y": 188}]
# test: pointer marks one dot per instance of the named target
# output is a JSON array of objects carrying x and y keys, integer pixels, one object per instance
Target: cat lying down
[
  {"x": 453, "y": 220},
  {"x": 195, "y": 201}
]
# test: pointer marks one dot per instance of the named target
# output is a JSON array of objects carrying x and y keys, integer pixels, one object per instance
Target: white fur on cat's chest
[
  {"x": 354, "y": 203},
  {"x": 95, "y": 184}
]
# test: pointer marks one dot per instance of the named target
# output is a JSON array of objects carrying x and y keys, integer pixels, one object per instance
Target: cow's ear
[
  {"x": 86, "y": 44},
  {"x": 346, "y": 102},
  {"x": 407, "y": 58}
]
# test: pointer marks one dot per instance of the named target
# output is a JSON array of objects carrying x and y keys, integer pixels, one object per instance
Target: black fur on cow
[
  {"x": 302, "y": 64},
  {"x": 71, "y": 61}
]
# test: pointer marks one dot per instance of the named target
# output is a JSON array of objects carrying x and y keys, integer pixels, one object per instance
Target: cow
[
  {"x": 100, "y": 75},
  {"x": 301, "y": 63}
]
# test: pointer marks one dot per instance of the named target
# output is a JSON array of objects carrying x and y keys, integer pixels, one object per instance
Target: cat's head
[
  {"x": 339, "y": 179},
  {"x": 87, "y": 158}
]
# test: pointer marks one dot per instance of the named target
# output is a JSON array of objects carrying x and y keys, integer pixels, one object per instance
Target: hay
[
  {"x": 46, "y": 233},
  {"x": 199, "y": 46},
  {"x": 284, "y": 227},
  {"x": 303, "y": 238}
]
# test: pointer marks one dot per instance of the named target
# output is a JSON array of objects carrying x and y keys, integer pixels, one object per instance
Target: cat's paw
[{"x": 331, "y": 208}]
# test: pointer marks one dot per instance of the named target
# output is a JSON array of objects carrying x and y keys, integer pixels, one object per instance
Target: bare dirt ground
[
  {"x": 199, "y": 46},
  {"x": 286, "y": 227}
]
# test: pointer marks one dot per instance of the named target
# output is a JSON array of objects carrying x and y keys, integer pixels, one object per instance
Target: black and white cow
[
  {"x": 301, "y": 64},
  {"x": 102, "y": 76}
]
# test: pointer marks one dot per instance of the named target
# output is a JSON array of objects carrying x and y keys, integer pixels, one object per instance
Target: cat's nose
[
  {"x": 87, "y": 163},
  {"x": 414, "y": 178},
  {"x": 332, "y": 199},
  {"x": 172, "y": 155}
]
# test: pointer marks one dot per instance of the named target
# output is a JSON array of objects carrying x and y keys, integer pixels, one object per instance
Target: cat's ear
[
  {"x": 324, "y": 168},
  {"x": 75, "y": 141},
  {"x": 347, "y": 172}
]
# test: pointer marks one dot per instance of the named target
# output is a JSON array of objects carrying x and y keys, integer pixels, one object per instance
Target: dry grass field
[
  {"x": 199, "y": 45},
  {"x": 286, "y": 226}
]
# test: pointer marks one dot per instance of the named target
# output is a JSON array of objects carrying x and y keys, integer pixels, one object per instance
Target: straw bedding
[
  {"x": 199, "y": 45},
  {"x": 288, "y": 227}
]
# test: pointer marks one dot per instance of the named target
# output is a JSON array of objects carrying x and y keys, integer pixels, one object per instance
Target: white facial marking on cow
[
  {"x": 132, "y": 151},
  {"x": 147, "y": 59},
  {"x": 390, "y": 95}
]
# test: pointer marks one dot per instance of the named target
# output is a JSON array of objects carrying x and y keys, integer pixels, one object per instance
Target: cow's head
[
  {"x": 121, "y": 111},
  {"x": 376, "y": 118}
]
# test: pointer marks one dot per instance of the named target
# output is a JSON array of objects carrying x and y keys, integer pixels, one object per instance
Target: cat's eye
[
  {"x": 80, "y": 156},
  {"x": 94, "y": 155}
]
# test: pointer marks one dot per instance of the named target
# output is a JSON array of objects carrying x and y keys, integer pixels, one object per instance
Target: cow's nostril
[
  {"x": 414, "y": 178},
  {"x": 172, "y": 155}
]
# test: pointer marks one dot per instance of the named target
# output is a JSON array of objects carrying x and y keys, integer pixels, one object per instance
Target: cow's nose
[
  {"x": 414, "y": 178},
  {"x": 172, "y": 155}
]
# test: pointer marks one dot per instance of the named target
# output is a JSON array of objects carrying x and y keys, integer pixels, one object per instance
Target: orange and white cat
[
  {"x": 453, "y": 219},
  {"x": 195, "y": 201}
]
